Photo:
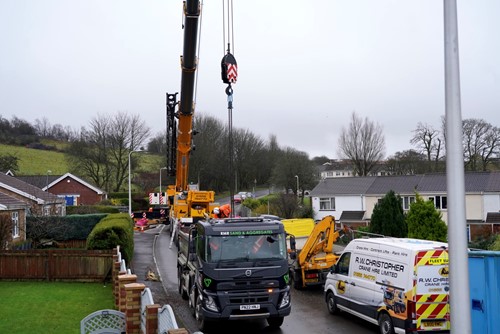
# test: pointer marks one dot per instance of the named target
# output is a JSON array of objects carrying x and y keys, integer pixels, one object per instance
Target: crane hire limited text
[{"x": 381, "y": 267}]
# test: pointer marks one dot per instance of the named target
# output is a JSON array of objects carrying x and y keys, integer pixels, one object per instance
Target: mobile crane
[
  {"x": 187, "y": 203},
  {"x": 311, "y": 263}
]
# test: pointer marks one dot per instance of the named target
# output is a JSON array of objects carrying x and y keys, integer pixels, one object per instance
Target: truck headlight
[
  {"x": 210, "y": 304},
  {"x": 285, "y": 300}
]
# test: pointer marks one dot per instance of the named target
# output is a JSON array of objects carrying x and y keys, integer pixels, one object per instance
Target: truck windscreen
[{"x": 245, "y": 248}]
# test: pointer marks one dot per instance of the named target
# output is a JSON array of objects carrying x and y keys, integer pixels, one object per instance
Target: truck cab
[{"x": 235, "y": 268}]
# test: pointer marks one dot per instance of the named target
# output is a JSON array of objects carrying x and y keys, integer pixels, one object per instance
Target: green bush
[
  {"x": 113, "y": 230},
  {"x": 495, "y": 246},
  {"x": 90, "y": 209}
]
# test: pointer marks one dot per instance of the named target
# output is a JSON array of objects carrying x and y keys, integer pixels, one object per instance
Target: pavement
[{"x": 144, "y": 263}]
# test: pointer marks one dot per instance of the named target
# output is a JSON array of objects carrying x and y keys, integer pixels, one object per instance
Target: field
[
  {"x": 56, "y": 308},
  {"x": 38, "y": 162}
]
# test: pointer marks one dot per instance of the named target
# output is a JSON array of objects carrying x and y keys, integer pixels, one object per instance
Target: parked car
[
  {"x": 270, "y": 217},
  {"x": 244, "y": 195},
  {"x": 237, "y": 198}
]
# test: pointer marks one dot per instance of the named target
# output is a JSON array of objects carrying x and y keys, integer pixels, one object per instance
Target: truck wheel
[
  {"x": 180, "y": 283},
  {"x": 331, "y": 303},
  {"x": 385, "y": 324},
  {"x": 192, "y": 300},
  {"x": 275, "y": 322},
  {"x": 202, "y": 323},
  {"x": 297, "y": 280}
]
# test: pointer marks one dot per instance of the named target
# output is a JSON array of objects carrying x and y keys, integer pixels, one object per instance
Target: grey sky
[{"x": 304, "y": 66}]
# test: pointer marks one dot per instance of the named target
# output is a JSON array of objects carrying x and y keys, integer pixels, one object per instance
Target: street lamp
[
  {"x": 160, "y": 176},
  {"x": 297, "y": 184},
  {"x": 129, "y": 182},
  {"x": 47, "y": 188}
]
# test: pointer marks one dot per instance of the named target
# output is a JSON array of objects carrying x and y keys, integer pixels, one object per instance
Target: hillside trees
[
  {"x": 101, "y": 152},
  {"x": 16, "y": 131},
  {"x": 9, "y": 162},
  {"x": 363, "y": 143}
]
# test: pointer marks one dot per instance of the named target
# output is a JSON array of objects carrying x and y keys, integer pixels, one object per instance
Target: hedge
[
  {"x": 90, "y": 209},
  {"x": 61, "y": 228},
  {"x": 113, "y": 230}
]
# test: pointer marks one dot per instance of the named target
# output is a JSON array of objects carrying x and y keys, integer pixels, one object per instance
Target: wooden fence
[{"x": 56, "y": 265}]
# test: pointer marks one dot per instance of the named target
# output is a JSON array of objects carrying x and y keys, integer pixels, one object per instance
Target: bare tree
[
  {"x": 362, "y": 143},
  {"x": 101, "y": 153},
  {"x": 481, "y": 143},
  {"x": 42, "y": 127},
  {"x": 428, "y": 141}
]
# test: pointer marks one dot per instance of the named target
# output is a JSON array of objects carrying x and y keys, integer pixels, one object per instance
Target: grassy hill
[{"x": 38, "y": 162}]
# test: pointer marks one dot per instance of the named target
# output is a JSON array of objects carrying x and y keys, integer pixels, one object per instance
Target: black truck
[{"x": 235, "y": 268}]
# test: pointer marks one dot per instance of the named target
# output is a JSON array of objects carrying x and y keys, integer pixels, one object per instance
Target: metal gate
[{"x": 103, "y": 322}]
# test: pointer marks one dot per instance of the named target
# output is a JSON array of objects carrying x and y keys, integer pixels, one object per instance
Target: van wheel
[
  {"x": 331, "y": 303},
  {"x": 385, "y": 324},
  {"x": 275, "y": 322}
]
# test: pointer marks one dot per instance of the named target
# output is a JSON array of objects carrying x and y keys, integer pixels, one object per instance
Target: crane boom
[
  {"x": 187, "y": 203},
  {"x": 186, "y": 103}
]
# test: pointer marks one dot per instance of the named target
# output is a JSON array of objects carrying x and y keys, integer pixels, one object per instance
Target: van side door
[{"x": 342, "y": 280}]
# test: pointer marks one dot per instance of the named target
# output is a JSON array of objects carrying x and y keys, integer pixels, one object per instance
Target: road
[{"x": 309, "y": 312}]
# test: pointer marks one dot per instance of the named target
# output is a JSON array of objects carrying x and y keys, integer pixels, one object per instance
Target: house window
[
  {"x": 440, "y": 202},
  {"x": 327, "y": 203},
  {"x": 15, "y": 224},
  {"x": 407, "y": 201},
  {"x": 46, "y": 210}
]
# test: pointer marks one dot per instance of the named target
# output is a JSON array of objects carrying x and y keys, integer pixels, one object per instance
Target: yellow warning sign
[{"x": 438, "y": 260}]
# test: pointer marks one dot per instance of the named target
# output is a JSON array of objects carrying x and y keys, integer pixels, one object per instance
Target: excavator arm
[
  {"x": 320, "y": 240},
  {"x": 316, "y": 256}
]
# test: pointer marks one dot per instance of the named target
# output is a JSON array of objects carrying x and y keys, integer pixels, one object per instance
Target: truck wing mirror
[
  {"x": 293, "y": 244},
  {"x": 334, "y": 269}
]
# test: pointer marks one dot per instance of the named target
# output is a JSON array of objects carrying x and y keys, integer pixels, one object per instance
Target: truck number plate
[{"x": 249, "y": 307}]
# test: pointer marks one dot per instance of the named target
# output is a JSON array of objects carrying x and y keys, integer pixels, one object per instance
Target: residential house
[
  {"x": 15, "y": 210},
  {"x": 39, "y": 202},
  {"x": 73, "y": 189},
  {"x": 345, "y": 168},
  {"x": 357, "y": 197}
]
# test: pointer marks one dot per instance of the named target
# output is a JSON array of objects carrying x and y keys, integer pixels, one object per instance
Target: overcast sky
[{"x": 304, "y": 66}]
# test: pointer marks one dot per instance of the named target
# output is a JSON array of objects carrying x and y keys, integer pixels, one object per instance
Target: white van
[{"x": 400, "y": 284}]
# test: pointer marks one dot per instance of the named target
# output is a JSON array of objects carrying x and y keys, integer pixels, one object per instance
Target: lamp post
[
  {"x": 297, "y": 185},
  {"x": 47, "y": 188},
  {"x": 129, "y": 182},
  {"x": 160, "y": 176}
]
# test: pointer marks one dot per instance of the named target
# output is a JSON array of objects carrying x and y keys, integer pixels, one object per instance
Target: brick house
[
  {"x": 39, "y": 202},
  {"x": 73, "y": 189},
  {"x": 15, "y": 210}
]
